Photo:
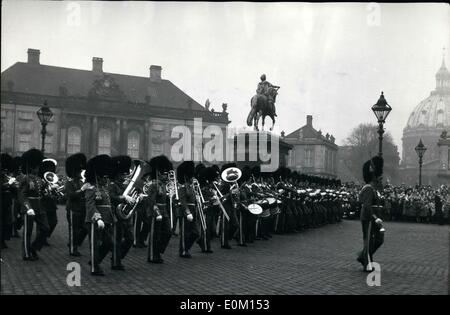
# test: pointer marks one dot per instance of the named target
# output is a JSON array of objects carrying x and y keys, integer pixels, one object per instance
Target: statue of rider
[{"x": 264, "y": 89}]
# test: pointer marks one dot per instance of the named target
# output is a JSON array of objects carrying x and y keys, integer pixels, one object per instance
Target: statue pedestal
[{"x": 251, "y": 147}]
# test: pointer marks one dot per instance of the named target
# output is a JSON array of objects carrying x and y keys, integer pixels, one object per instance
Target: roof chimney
[
  {"x": 33, "y": 56},
  {"x": 309, "y": 120},
  {"x": 155, "y": 73},
  {"x": 97, "y": 64}
]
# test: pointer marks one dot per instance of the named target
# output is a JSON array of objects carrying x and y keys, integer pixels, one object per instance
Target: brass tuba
[
  {"x": 125, "y": 210},
  {"x": 54, "y": 186}
]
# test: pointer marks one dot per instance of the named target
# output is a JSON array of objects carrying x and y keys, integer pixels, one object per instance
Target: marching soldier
[
  {"x": 189, "y": 231},
  {"x": 140, "y": 222},
  {"x": 75, "y": 201},
  {"x": 122, "y": 228},
  {"x": 159, "y": 208},
  {"x": 99, "y": 215},
  {"x": 206, "y": 178},
  {"x": 230, "y": 225},
  {"x": 371, "y": 224},
  {"x": 48, "y": 201},
  {"x": 31, "y": 189}
]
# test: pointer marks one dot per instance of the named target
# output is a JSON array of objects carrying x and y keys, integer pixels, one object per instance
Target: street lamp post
[
  {"x": 420, "y": 150},
  {"x": 381, "y": 110},
  {"x": 44, "y": 114}
]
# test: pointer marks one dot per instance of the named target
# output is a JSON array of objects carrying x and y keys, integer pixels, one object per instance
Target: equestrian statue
[{"x": 263, "y": 104}]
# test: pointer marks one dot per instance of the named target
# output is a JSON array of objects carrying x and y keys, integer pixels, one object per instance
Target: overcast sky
[{"x": 331, "y": 60}]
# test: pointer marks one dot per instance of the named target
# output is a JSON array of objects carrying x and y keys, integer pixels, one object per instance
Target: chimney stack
[
  {"x": 309, "y": 120},
  {"x": 155, "y": 73},
  {"x": 33, "y": 56},
  {"x": 97, "y": 64}
]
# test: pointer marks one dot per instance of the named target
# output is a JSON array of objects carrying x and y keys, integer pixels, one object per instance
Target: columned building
[
  {"x": 427, "y": 122},
  {"x": 95, "y": 111},
  {"x": 312, "y": 152}
]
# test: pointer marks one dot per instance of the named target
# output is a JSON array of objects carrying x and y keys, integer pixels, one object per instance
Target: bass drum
[{"x": 255, "y": 209}]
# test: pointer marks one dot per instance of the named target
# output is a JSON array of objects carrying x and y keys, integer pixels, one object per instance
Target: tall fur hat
[
  {"x": 16, "y": 164},
  {"x": 47, "y": 165},
  {"x": 185, "y": 171},
  {"x": 246, "y": 174},
  {"x": 208, "y": 174},
  {"x": 6, "y": 162},
  {"x": 216, "y": 168},
  {"x": 160, "y": 164},
  {"x": 256, "y": 171},
  {"x": 75, "y": 164},
  {"x": 121, "y": 164},
  {"x": 31, "y": 159},
  {"x": 198, "y": 168},
  {"x": 373, "y": 168},
  {"x": 100, "y": 165}
]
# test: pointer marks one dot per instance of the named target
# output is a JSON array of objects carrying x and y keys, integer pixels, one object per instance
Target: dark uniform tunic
[
  {"x": 76, "y": 213},
  {"x": 31, "y": 190},
  {"x": 157, "y": 204},
  {"x": 189, "y": 230},
  {"x": 98, "y": 207},
  {"x": 122, "y": 229}
]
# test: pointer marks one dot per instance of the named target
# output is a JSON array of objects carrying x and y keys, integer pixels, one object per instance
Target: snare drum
[{"x": 255, "y": 209}]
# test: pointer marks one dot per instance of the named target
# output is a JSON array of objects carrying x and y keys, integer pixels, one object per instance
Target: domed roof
[{"x": 434, "y": 111}]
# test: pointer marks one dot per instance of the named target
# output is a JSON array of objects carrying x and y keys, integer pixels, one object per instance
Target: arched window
[
  {"x": 73, "y": 140},
  {"x": 133, "y": 144},
  {"x": 104, "y": 141}
]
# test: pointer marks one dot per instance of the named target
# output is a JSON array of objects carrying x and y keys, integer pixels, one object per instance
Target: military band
[{"x": 120, "y": 202}]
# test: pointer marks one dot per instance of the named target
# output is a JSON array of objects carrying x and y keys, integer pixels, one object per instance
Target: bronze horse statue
[{"x": 262, "y": 106}]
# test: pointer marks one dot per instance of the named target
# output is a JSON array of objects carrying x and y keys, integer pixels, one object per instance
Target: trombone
[
  {"x": 172, "y": 189},
  {"x": 200, "y": 201}
]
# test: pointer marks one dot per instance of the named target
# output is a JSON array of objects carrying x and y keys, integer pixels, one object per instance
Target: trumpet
[{"x": 53, "y": 185}]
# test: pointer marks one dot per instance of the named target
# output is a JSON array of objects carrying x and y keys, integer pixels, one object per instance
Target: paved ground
[{"x": 414, "y": 260}]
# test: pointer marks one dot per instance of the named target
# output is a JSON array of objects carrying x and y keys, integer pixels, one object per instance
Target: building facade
[
  {"x": 312, "y": 152},
  {"x": 427, "y": 122},
  {"x": 96, "y": 112}
]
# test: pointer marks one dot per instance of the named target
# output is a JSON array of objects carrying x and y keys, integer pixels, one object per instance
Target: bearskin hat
[
  {"x": 6, "y": 162},
  {"x": 47, "y": 165},
  {"x": 256, "y": 171},
  {"x": 216, "y": 168},
  {"x": 160, "y": 164},
  {"x": 185, "y": 171},
  {"x": 31, "y": 159},
  {"x": 16, "y": 164},
  {"x": 208, "y": 174},
  {"x": 373, "y": 168},
  {"x": 99, "y": 166},
  {"x": 75, "y": 164},
  {"x": 246, "y": 174},
  {"x": 198, "y": 168},
  {"x": 120, "y": 164}
]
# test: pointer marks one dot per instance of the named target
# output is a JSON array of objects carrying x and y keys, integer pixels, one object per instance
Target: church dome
[{"x": 434, "y": 111}]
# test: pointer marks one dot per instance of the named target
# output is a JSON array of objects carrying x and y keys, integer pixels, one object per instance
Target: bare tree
[{"x": 363, "y": 144}]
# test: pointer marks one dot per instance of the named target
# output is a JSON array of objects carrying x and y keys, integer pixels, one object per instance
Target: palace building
[
  {"x": 312, "y": 152},
  {"x": 95, "y": 112}
]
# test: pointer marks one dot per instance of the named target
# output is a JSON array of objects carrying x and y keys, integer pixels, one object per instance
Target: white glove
[
  {"x": 378, "y": 221},
  {"x": 159, "y": 218},
  {"x": 100, "y": 224},
  {"x": 11, "y": 181},
  {"x": 31, "y": 212},
  {"x": 130, "y": 199},
  {"x": 190, "y": 217},
  {"x": 85, "y": 186}
]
